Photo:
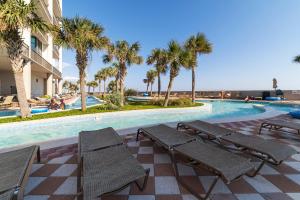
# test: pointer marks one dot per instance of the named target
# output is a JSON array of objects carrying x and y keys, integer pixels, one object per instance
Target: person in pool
[
  {"x": 53, "y": 105},
  {"x": 62, "y": 104}
]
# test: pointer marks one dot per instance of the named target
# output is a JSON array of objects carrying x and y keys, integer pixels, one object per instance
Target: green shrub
[
  {"x": 130, "y": 92},
  {"x": 114, "y": 99},
  {"x": 108, "y": 106}
]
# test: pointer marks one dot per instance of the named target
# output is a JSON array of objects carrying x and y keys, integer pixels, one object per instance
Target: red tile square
[
  {"x": 149, "y": 190},
  {"x": 46, "y": 170},
  {"x": 163, "y": 170},
  {"x": 145, "y": 158},
  {"x": 283, "y": 183},
  {"x": 48, "y": 186}
]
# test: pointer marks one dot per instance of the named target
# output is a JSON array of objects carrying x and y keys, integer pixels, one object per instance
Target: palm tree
[
  {"x": 297, "y": 59},
  {"x": 145, "y": 80},
  {"x": 15, "y": 16},
  {"x": 94, "y": 84},
  {"x": 89, "y": 84},
  {"x": 197, "y": 45},
  {"x": 159, "y": 58},
  {"x": 151, "y": 74},
  {"x": 126, "y": 55},
  {"x": 176, "y": 59},
  {"x": 84, "y": 36},
  {"x": 99, "y": 78},
  {"x": 115, "y": 72},
  {"x": 66, "y": 86}
]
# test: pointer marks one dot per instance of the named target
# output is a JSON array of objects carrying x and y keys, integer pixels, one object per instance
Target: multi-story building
[{"x": 43, "y": 74}]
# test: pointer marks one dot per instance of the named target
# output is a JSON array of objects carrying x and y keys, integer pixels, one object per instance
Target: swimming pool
[
  {"x": 36, "y": 131},
  {"x": 90, "y": 101}
]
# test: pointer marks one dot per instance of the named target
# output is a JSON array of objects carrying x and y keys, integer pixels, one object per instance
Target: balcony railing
[
  {"x": 56, "y": 8},
  {"x": 57, "y": 72},
  {"x": 45, "y": 10},
  {"x": 40, "y": 60},
  {"x": 25, "y": 51}
]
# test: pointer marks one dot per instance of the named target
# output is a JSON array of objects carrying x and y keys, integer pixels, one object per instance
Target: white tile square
[
  {"x": 68, "y": 187},
  {"x": 133, "y": 143},
  {"x": 141, "y": 197},
  {"x": 32, "y": 183},
  {"x": 220, "y": 186},
  {"x": 166, "y": 185},
  {"x": 60, "y": 160},
  {"x": 36, "y": 197},
  {"x": 249, "y": 197},
  {"x": 188, "y": 197},
  {"x": 294, "y": 177},
  {"x": 295, "y": 196},
  {"x": 296, "y": 157},
  {"x": 294, "y": 165},
  {"x": 261, "y": 184},
  {"x": 184, "y": 170},
  {"x": 145, "y": 150},
  {"x": 162, "y": 158},
  {"x": 267, "y": 170},
  {"x": 35, "y": 167},
  {"x": 149, "y": 166},
  {"x": 65, "y": 170}
]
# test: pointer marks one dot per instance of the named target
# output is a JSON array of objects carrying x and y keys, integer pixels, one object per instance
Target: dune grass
[{"x": 92, "y": 110}]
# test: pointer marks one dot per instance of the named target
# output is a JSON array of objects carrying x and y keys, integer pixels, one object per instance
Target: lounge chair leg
[
  {"x": 141, "y": 188},
  {"x": 260, "y": 129},
  {"x": 137, "y": 135},
  {"x": 257, "y": 170},
  {"x": 38, "y": 155},
  {"x": 79, "y": 174},
  {"x": 174, "y": 163},
  {"x": 178, "y": 126}
]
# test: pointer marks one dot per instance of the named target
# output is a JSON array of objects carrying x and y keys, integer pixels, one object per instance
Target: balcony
[
  {"x": 55, "y": 52},
  {"x": 56, "y": 8},
  {"x": 43, "y": 10},
  {"x": 37, "y": 58},
  {"x": 56, "y": 73}
]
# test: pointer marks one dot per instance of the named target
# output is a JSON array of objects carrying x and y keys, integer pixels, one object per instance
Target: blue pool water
[
  {"x": 20, "y": 133},
  {"x": 90, "y": 101}
]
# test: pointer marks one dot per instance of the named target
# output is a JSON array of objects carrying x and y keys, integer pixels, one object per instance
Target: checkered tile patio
[{"x": 56, "y": 178}]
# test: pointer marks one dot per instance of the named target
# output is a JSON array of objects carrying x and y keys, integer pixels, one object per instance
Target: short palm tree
[
  {"x": 94, "y": 84},
  {"x": 15, "y": 16},
  {"x": 176, "y": 59},
  {"x": 126, "y": 55},
  {"x": 89, "y": 84},
  {"x": 197, "y": 45},
  {"x": 84, "y": 36},
  {"x": 98, "y": 77},
  {"x": 146, "y": 81},
  {"x": 159, "y": 58},
  {"x": 151, "y": 74},
  {"x": 297, "y": 59}
]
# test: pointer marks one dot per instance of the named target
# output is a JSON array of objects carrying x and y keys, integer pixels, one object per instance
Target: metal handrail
[{"x": 36, "y": 57}]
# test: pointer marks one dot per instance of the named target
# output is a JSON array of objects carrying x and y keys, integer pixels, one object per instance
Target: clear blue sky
[{"x": 253, "y": 41}]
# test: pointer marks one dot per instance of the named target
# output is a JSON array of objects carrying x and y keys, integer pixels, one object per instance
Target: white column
[
  {"x": 27, "y": 79},
  {"x": 49, "y": 88},
  {"x": 60, "y": 83}
]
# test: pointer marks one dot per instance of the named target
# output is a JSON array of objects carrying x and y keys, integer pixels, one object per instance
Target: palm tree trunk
[
  {"x": 147, "y": 87},
  {"x": 24, "y": 107},
  {"x": 168, "y": 92},
  {"x": 82, "y": 90},
  {"x": 99, "y": 86},
  {"x": 122, "y": 79},
  {"x": 104, "y": 91},
  {"x": 193, "y": 84},
  {"x": 151, "y": 90},
  {"x": 158, "y": 84}
]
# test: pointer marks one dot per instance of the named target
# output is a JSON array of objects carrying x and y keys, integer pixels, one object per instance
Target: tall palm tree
[
  {"x": 126, "y": 55},
  {"x": 159, "y": 58},
  {"x": 99, "y": 78},
  {"x": 297, "y": 59},
  {"x": 176, "y": 59},
  {"x": 145, "y": 80},
  {"x": 151, "y": 74},
  {"x": 15, "y": 16},
  {"x": 84, "y": 36},
  {"x": 197, "y": 45},
  {"x": 115, "y": 72},
  {"x": 89, "y": 84}
]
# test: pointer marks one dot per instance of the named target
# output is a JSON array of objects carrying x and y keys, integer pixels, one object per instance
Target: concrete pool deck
[{"x": 55, "y": 178}]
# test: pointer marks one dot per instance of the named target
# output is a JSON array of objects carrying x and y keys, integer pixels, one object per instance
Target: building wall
[
  {"x": 37, "y": 84},
  {"x": 6, "y": 81}
]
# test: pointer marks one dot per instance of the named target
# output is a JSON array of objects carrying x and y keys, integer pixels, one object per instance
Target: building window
[{"x": 36, "y": 45}]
